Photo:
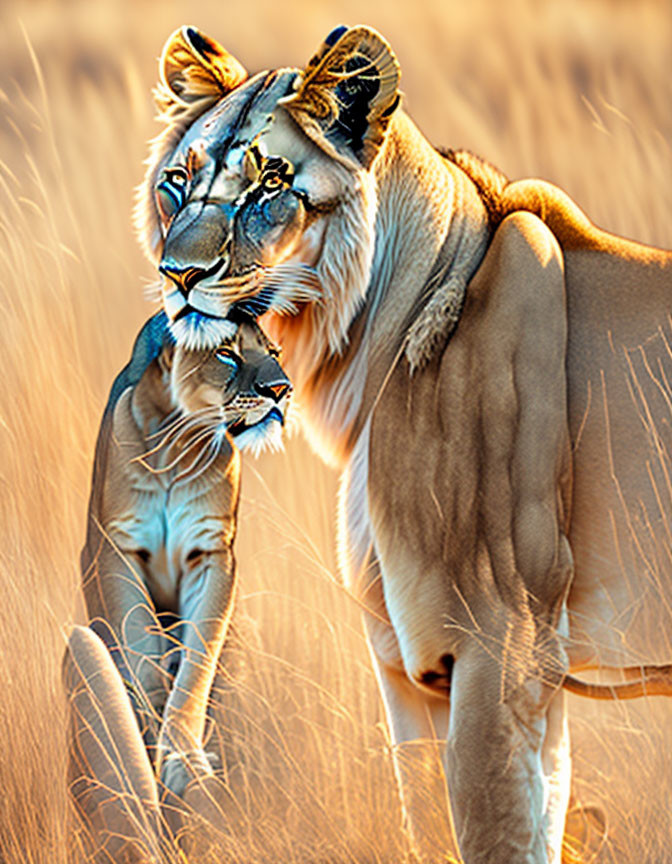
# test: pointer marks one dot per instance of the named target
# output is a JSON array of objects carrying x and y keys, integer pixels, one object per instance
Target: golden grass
[{"x": 576, "y": 92}]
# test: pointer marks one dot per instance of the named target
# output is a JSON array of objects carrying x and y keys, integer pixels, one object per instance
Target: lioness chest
[{"x": 157, "y": 518}]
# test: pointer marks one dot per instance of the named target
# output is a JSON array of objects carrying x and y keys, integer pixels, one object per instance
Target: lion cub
[{"x": 158, "y": 566}]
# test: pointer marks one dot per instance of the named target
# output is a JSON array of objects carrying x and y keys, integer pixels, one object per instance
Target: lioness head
[
  {"x": 238, "y": 387},
  {"x": 259, "y": 192}
]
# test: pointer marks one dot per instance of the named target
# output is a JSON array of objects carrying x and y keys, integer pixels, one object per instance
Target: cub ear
[
  {"x": 347, "y": 94},
  {"x": 194, "y": 67}
]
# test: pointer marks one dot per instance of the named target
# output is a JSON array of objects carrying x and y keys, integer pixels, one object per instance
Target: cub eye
[{"x": 228, "y": 358}]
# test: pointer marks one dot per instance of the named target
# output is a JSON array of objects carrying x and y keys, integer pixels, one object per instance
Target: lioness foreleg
[
  {"x": 418, "y": 725},
  {"x": 507, "y": 764}
]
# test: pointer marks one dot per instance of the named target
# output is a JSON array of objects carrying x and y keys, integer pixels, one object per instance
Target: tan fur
[
  {"x": 161, "y": 526},
  {"x": 109, "y": 775},
  {"x": 192, "y": 65},
  {"x": 490, "y": 502},
  {"x": 315, "y": 105}
]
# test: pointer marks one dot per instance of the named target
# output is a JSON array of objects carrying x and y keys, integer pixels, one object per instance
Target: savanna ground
[{"x": 576, "y": 92}]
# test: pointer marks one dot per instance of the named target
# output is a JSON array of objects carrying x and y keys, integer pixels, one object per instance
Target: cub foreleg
[
  {"x": 122, "y": 612},
  {"x": 206, "y": 603}
]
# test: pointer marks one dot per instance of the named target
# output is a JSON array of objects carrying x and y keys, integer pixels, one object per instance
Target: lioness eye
[
  {"x": 176, "y": 176},
  {"x": 272, "y": 181},
  {"x": 171, "y": 192}
]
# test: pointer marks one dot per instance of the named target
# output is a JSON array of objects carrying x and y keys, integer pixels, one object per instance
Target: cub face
[{"x": 238, "y": 387}]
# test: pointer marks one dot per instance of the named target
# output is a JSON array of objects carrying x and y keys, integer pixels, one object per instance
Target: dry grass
[{"x": 576, "y": 92}]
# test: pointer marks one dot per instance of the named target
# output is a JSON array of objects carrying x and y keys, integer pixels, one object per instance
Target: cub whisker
[
  {"x": 175, "y": 421},
  {"x": 186, "y": 424},
  {"x": 213, "y": 446},
  {"x": 185, "y": 452},
  {"x": 186, "y": 471}
]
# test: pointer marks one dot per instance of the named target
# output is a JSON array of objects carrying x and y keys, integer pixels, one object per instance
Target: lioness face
[
  {"x": 238, "y": 387},
  {"x": 259, "y": 191}
]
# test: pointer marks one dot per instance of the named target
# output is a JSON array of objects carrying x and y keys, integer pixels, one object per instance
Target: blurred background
[{"x": 578, "y": 92}]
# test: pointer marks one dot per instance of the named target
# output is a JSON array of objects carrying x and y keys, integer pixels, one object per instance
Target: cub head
[
  {"x": 259, "y": 194},
  {"x": 238, "y": 387}
]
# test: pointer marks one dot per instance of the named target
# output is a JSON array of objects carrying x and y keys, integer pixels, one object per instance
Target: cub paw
[{"x": 179, "y": 769}]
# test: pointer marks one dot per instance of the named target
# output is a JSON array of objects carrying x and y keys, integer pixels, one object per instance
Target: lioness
[
  {"x": 481, "y": 371},
  {"x": 161, "y": 525}
]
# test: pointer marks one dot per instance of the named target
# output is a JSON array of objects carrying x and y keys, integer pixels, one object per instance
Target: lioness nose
[
  {"x": 185, "y": 278},
  {"x": 274, "y": 390}
]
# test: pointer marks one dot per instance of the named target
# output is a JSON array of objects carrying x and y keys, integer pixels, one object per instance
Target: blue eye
[{"x": 228, "y": 359}]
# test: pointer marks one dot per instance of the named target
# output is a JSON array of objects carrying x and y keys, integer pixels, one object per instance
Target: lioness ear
[
  {"x": 347, "y": 94},
  {"x": 194, "y": 67}
]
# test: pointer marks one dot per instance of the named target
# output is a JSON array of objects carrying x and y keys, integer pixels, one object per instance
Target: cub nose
[
  {"x": 273, "y": 389},
  {"x": 185, "y": 278}
]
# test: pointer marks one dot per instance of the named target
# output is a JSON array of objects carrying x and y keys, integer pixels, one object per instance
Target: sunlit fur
[
  {"x": 579, "y": 92},
  {"x": 438, "y": 553},
  {"x": 161, "y": 525},
  {"x": 196, "y": 332},
  {"x": 245, "y": 405},
  {"x": 263, "y": 436}
]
